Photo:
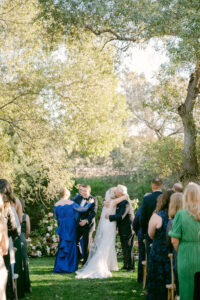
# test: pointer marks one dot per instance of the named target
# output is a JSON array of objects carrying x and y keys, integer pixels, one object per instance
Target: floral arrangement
[
  {"x": 134, "y": 203},
  {"x": 44, "y": 241}
]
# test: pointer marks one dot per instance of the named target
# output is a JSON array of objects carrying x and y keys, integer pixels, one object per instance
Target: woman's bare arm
[
  {"x": 28, "y": 226},
  {"x": 154, "y": 223},
  {"x": 175, "y": 243},
  {"x": 18, "y": 208},
  {"x": 4, "y": 244}
]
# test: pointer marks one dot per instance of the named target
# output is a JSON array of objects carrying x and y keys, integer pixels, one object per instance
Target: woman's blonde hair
[
  {"x": 176, "y": 203},
  {"x": 191, "y": 200},
  {"x": 64, "y": 192}
]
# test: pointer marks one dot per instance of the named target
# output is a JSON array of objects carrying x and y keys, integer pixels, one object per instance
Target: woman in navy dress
[
  {"x": 66, "y": 212},
  {"x": 159, "y": 272}
]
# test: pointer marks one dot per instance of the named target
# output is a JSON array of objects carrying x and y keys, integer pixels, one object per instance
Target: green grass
[{"x": 49, "y": 286}]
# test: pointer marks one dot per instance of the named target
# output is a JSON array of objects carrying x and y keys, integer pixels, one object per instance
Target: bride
[{"x": 102, "y": 258}]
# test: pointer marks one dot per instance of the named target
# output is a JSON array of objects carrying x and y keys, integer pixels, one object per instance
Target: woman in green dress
[{"x": 185, "y": 235}]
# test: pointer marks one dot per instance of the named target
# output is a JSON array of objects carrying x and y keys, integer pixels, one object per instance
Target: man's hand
[
  {"x": 83, "y": 223},
  {"x": 107, "y": 216}
]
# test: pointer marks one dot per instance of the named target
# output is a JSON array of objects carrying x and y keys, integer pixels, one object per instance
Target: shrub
[{"x": 44, "y": 241}]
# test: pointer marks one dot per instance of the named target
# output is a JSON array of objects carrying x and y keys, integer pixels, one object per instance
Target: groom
[
  {"x": 124, "y": 218},
  {"x": 86, "y": 220}
]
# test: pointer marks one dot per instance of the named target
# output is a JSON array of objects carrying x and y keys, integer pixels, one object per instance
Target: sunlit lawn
[{"x": 48, "y": 286}]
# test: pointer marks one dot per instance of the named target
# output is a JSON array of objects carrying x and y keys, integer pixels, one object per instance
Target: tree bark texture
[{"x": 185, "y": 110}]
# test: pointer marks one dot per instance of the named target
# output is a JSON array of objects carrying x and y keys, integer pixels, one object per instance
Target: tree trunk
[{"x": 185, "y": 110}]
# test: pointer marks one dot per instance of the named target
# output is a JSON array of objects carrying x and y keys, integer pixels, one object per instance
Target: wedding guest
[
  {"x": 124, "y": 217},
  {"x": 18, "y": 267},
  {"x": 86, "y": 220},
  {"x": 176, "y": 203},
  {"x": 158, "y": 274},
  {"x": 177, "y": 187},
  {"x": 65, "y": 212},
  {"x": 148, "y": 206},
  {"x": 25, "y": 232},
  {"x": 141, "y": 246},
  {"x": 186, "y": 239},
  {"x": 8, "y": 198},
  {"x": 4, "y": 244}
]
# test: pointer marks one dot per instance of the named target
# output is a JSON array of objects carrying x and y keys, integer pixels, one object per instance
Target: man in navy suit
[
  {"x": 148, "y": 206},
  {"x": 86, "y": 220},
  {"x": 124, "y": 217}
]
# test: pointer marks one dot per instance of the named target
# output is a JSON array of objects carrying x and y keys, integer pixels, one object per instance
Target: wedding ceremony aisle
[{"x": 49, "y": 286}]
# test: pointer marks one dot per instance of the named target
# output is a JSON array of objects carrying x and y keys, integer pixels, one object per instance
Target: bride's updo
[{"x": 110, "y": 194}]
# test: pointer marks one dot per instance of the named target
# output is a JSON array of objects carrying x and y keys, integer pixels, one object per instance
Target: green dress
[{"x": 187, "y": 230}]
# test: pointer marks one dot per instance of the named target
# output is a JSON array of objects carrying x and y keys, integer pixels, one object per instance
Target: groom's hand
[
  {"x": 107, "y": 216},
  {"x": 83, "y": 223}
]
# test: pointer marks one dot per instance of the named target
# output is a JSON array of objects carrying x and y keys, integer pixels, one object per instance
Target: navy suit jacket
[
  {"x": 148, "y": 206},
  {"x": 124, "y": 218},
  {"x": 89, "y": 215}
]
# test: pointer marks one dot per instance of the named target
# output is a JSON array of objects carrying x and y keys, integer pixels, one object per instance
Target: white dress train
[{"x": 102, "y": 258}]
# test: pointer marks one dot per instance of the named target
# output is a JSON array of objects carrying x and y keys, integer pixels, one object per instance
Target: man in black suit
[
  {"x": 124, "y": 218},
  {"x": 86, "y": 220},
  {"x": 148, "y": 206}
]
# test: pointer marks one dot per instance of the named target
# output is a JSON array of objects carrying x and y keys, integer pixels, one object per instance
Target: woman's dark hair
[
  {"x": 163, "y": 200},
  {"x": 6, "y": 190}
]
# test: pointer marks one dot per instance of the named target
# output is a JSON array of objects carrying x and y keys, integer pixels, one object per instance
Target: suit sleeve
[
  {"x": 123, "y": 210},
  {"x": 136, "y": 223},
  {"x": 82, "y": 209},
  {"x": 93, "y": 210},
  {"x": 143, "y": 217}
]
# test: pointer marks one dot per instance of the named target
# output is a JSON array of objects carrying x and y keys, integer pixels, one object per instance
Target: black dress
[
  {"x": 25, "y": 269},
  {"x": 159, "y": 272}
]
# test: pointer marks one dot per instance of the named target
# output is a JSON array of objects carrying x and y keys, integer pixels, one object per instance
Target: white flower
[
  {"x": 39, "y": 253},
  {"x": 33, "y": 247},
  {"x": 47, "y": 235},
  {"x": 48, "y": 249},
  {"x": 50, "y": 228},
  {"x": 54, "y": 238}
]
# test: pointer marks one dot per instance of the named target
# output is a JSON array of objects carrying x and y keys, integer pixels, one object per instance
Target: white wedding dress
[{"x": 102, "y": 258}]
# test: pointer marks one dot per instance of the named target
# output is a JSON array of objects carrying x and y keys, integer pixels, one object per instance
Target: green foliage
[
  {"x": 165, "y": 157},
  {"x": 44, "y": 241},
  {"x": 138, "y": 184},
  {"x": 57, "y": 99}
]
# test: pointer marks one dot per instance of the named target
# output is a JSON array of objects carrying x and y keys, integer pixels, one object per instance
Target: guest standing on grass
[
  {"x": 185, "y": 235},
  {"x": 66, "y": 212},
  {"x": 25, "y": 232},
  {"x": 148, "y": 206},
  {"x": 4, "y": 243},
  {"x": 141, "y": 246},
  {"x": 159, "y": 272},
  {"x": 85, "y": 221},
  {"x": 176, "y": 203},
  {"x": 8, "y": 198}
]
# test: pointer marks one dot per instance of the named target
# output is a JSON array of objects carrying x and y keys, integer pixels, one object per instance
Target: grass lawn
[{"x": 48, "y": 286}]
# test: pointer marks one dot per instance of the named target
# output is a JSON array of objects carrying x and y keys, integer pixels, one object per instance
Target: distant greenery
[
  {"x": 49, "y": 286},
  {"x": 137, "y": 185}
]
